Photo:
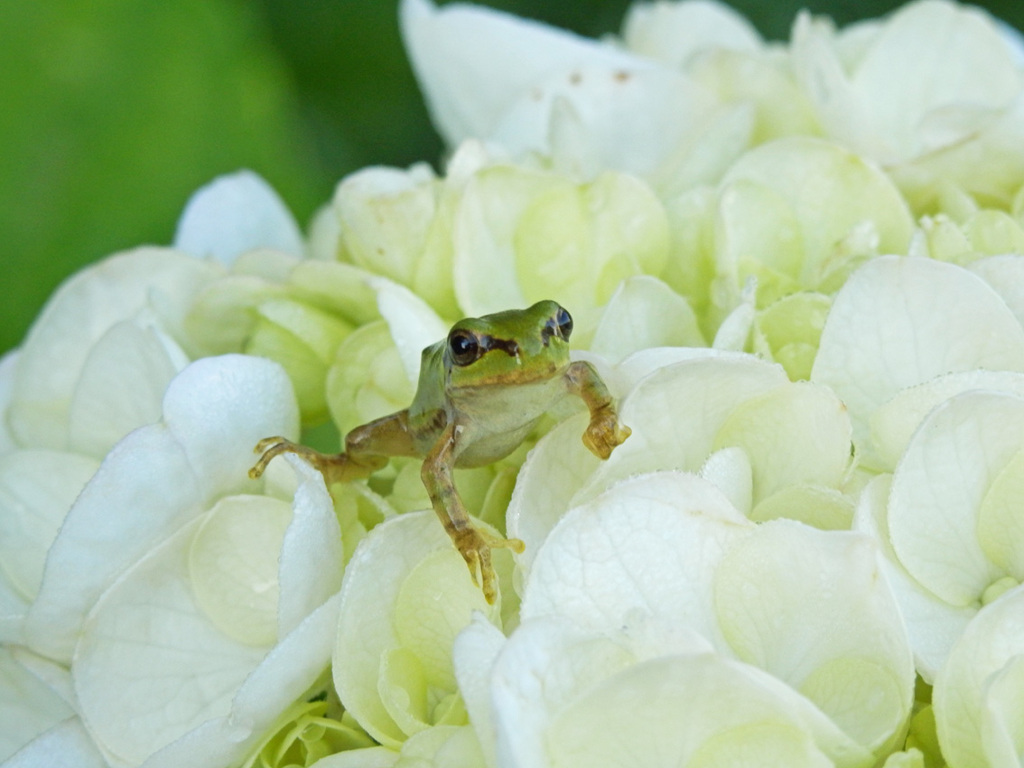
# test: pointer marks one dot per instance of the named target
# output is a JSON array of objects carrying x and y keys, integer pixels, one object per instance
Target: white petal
[
  {"x": 521, "y": 236},
  {"x": 77, "y": 315},
  {"x": 443, "y": 746},
  {"x": 561, "y": 697},
  {"x": 793, "y": 205},
  {"x": 808, "y": 607},
  {"x": 233, "y": 566},
  {"x": 820, "y": 507},
  {"x": 287, "y": 672},
  {"x": 37, "y": 489},
  {"x": 931, "y": 55},
  {"x": 121, "y": 386},
  {"x": 413, "y": 324},
  {"x": 492, "y": 203},
  {"x": 642, "y": 364},
  {"x": 13, "y": 609},
  {"x": 474, "y": 653},
  {"x": 819, "y": 69},
  {"x": 539, "y": 671},
  {"x": 472, "y": 63},
  {"x": 743, "y": 719},
  {"x": 155, "y": 480},
  {"x": 68, "y": 742},
  {"x": 593, "y": 118},
  {"x": 220, "y": 407},
  {"x": 795, "y": 434},
  {"x": 7, "y": 366},
  {"x": 965, "y": 697},
  {"x": 677, "y": 412},
  {"x": 1006, "y": 276},
  {"x": 150, "y": 666},
  {"x": 939, "y": 487},
  {"x": 643, "y": 313},
  {"x": 729, "y": 469},
  {"x": 647, "y": 547},
  {"x": 388, "y": 614},
  {"x": 311, "y": 556},
  {"x": 900, "y": 321},
  {"x": 341, "y": 286},
  {"x": 55, "y": 676},
  {"x": 549, "y": 477},
  {"x": 673, "y": 33},
  {"x": 144, "y": 490},
  {"x": 895, "y": 422},
  {"x": 734, "y": 332},
  {"x": 28, "y": 707},
  {"x": 386, "y": 216},
  {"x": 370, "y": 757},
  {"x": 233, "y": 214},
  {"x": 933, "y": 625}
]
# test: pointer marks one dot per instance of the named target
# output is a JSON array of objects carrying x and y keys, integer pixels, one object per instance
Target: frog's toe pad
[
  {"x": 604, "y": 434},
  {"x": 270, "y": 447},
  {"x": 475, "y": 549},
  {"x": 496, "y": 542}
]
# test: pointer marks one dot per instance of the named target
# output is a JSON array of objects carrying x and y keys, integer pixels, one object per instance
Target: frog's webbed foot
[
  {"x": 335, "y": 468},
  {"x": 605, "y": 432},
  {"x": 475, "y": 547}
]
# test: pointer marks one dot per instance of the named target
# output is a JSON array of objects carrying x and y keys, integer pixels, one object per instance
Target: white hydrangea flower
[
  {"x": 933, "y": 92},
  {"x": 94, "y": 367},
  {"x": 586, "y": 106},
  {"x": 776, "y": 448},
  {"x": 684, "y": 185},
  {"x": 795, "y": 215},
  {"x": 659, "y": 593},
  {"x": 474, "y": 242},
  {"x": 167, "y": 564}
]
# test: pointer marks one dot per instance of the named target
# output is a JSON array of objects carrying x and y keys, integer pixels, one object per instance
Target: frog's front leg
[
  {"x": 604, "y": 432},
  {"x": 474, "y": 545},
  {"x": 367, "y": 449}
]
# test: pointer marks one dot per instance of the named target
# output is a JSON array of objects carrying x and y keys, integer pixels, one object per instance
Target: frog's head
[{"x": 512, "y": 347}]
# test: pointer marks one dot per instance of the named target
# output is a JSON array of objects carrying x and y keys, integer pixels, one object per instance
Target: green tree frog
[{"x": 480, "y": 392}]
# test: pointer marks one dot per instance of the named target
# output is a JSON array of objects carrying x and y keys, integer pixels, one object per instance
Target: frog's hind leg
[
  {"x": 367, "y": 449},
  {"x": 336, "y": 468},
  {"x": 473, "y": 544}
]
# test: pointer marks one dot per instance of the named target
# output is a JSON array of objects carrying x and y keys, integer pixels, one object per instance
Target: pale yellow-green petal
[
  {"x": 939, "y": 490},
  {"x": 233, "y": 566}
]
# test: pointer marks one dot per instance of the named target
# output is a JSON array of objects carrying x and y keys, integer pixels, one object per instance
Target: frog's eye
[
  {"x": 560, "y": 325},
  {"x": 463, "y": 346},
  {"x": 564, "y": 321}
]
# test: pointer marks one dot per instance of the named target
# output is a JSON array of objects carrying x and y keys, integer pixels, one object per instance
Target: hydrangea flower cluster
[{"x": 799, "y": 268}]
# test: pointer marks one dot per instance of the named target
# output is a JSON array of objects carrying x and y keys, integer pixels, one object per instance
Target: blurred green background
[{"x": 114, "y": 111}]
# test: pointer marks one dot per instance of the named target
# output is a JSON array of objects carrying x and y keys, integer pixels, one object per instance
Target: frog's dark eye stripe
[
  {"x": 463, "y": 347},
  {"x": 560, "y": 324},
  {"x": 506, "y": 345}
]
